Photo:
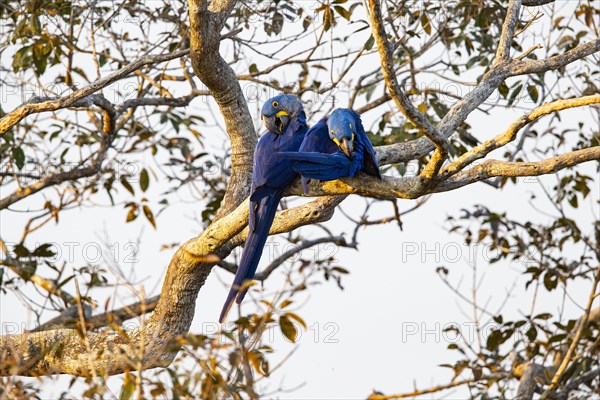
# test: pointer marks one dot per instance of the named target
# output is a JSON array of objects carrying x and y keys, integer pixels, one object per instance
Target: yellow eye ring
[{"x": 275, "y": 104}]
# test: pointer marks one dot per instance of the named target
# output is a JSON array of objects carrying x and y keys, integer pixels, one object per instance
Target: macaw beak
[
  {"x": 282, "y": 119},
  {"x": 277, "y": 123},
  {"x": 347, "y": 146}
]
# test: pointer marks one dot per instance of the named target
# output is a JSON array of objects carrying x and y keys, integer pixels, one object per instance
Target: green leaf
[
  {"x": 550, "y": 280},
  {"x": 340, "y": 270},
  {"x": 44, "y": 251},
  {"x": 253, "y": 69},
  {"x": 35, "y": 26},
  {"x": 297, "y": 318},
  {"x": 503, "y": 89},
  {"x": 573, "y": 201},
  {"x": 132, "y": 214},
  {"x": 19, "y": 157},
  {"x": 277, "y": 23},
  {"x": 127, "y": 185},
  {"x": 533, "y": 93},
  {"x": 531, "y": 333},
  {"x": 426, "y": 23},
  {"x": 472, "y": 61},
  {"x": 287, "y": 328},
  {"x": 144, "y": 180},
  {"x": 306, "y": 23},
  {"x": 149, "y": 215},
  {"x": 21, "y": 251},
  {"x": 514, "y": 95},
  {"x": 327, "y": 19},
  {"x": 494, "y": 340},
  {"x": 343, "y": 12},
  {"x": 22, "y": 58},
  {"x": 127, "y": 390},
  {"x": 370, "y": 43},
  {"x": 285, "y": 303}
]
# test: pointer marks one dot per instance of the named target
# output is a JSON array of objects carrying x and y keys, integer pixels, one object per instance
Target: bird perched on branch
[
  {"x": 336, "y": 147},
  {"x": 284, "y": 118}
]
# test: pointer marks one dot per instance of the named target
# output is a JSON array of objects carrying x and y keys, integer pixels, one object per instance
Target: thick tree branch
[
  {"x": 411, "y": 187},
  {"x": 206, "y": 21},
  {"x": 64, "y": 351}
]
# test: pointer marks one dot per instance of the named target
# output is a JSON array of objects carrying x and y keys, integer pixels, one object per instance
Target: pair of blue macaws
[{"x": 336, "y": 147}]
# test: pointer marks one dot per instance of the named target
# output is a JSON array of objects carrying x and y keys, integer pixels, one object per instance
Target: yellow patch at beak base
[{"x": 281, "y": 114}]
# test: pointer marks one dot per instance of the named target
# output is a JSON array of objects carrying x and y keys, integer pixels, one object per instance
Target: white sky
[{"x": 384, "y": 331}]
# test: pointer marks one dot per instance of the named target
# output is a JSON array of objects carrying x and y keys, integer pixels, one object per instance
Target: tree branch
[
  {"x": 410, "y": 187},
  {"x": 509, "y": 135},
  {"x": 508, "y": 31},
  {"x": 64, "y": 351},
  {"x": 534, "y": 3},
  {"x": 492, "y": 168},
  {"x": 14, "y": 117},
  {"x": 430, "y": 390},
  {"x": 109, "y": 318},
  {"x": 571, "y": 351},
  {"x": 83, "y": 172},
  {"x": 414, "y": 149},
  {"x": 276, "y": 263},
  {"x": 537, "y": 66},
  {"x": 400, "y": 99},
  {"x": 533, "y": 377},
  {"x": 46, "y": 284},
  {"x": 206, "y": 21}
]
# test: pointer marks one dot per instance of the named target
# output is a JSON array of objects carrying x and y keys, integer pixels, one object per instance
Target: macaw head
[
  {"x": 278, "y": 112},
  {"x": 342, "y": 129}
]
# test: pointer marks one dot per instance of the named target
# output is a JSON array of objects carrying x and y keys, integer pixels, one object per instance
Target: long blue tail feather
[{"x": 258, "y": 231}]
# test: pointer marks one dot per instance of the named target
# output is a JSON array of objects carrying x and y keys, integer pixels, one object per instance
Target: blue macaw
[
  {"x": 285, "y": 120},
  {"x": 336, "y": 147}
]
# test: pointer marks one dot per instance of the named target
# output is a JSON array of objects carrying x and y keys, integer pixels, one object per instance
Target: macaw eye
[
  {"x": 331, "y": 130},
  {"x": 350, "y": 126},
  {"x": 275, "y": 104}
]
